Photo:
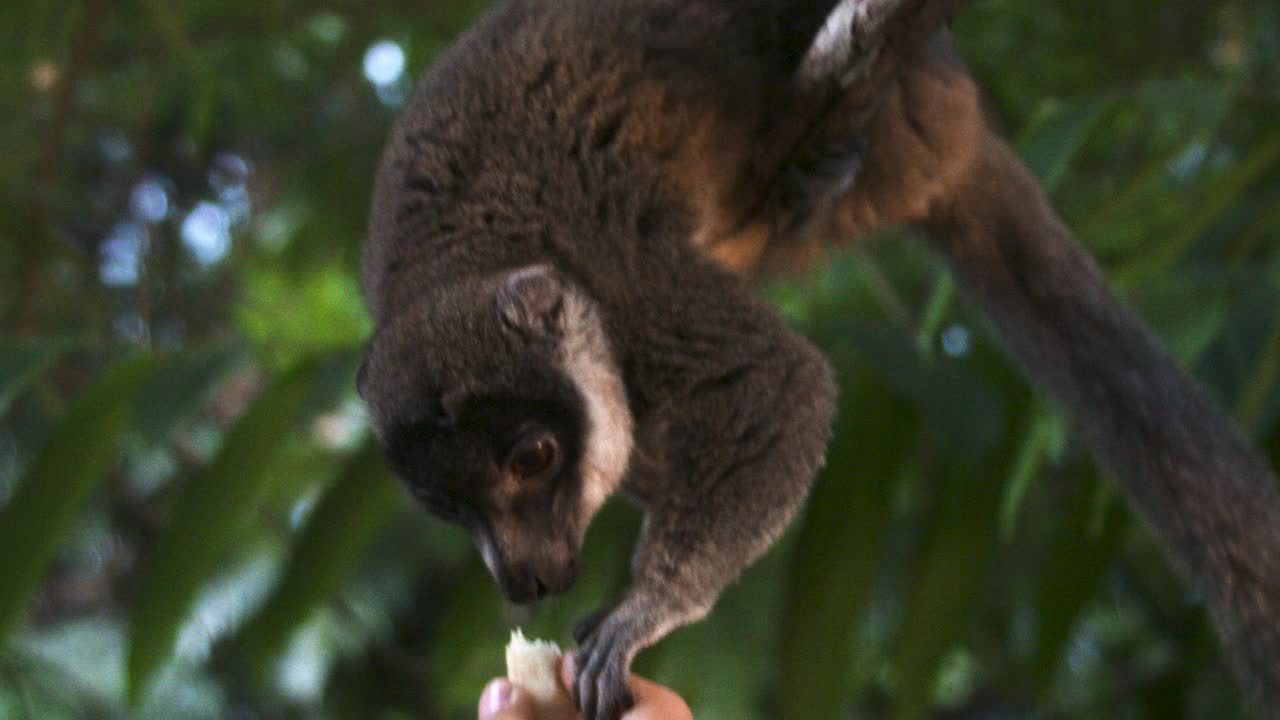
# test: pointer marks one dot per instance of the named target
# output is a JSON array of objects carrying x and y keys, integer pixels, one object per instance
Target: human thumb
[{"x": 502, "y": 700}]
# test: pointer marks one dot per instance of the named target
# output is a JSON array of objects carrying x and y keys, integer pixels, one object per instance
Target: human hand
[{"x": 502, "y": 700}]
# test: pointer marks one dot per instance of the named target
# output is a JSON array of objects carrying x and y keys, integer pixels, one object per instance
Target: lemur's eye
[{"x": 533, "y": 456}]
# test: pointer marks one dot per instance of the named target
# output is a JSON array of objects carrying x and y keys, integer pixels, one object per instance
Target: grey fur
[
  {"x": 562, "y": 231},
  {"x": 543, "y": 139}
]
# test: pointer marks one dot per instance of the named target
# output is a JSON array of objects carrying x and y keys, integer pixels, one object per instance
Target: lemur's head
[{"x": 517, "y": 430}]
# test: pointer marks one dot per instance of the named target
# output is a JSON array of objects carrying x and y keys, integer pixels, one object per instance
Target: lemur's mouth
[{"x": 523, "y": 587}]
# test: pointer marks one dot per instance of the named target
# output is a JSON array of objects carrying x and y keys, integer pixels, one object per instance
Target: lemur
[{"x": 564, "y": 230}]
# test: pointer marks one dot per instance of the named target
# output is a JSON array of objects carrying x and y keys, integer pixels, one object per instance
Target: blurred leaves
[
  {"x": 36, "y": 520},
  {"x": 1226, "y": 193},
  {"x": 1262, "y": 382},
  {"x": 955, "y": 559},
  {"x": 848, "y": 513},
  {"x": 21, "y": 363},
  {"x": 1044, "y": 441},
  {"x": 1081, "y": 547},
  {"x": 212, "y": 510},
  {"x": 337, "y": 532},
  {"x": 315, "y": 311},
  {"x": 1056, "y": 134},
  {"x": 179, "y": 255},
  {"x": 179, "y": 388}
]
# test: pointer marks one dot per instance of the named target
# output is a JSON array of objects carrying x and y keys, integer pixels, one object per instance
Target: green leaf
[
  {"x": 1189, "y": 313},
  {"x": 1055, "y": 136},
  {"x": 1262, "y": 381},
  {"x": 1047, "y": 435},
  {"x": 21, "y": 363},
  {"x": 935, "y": 311},
  {"x": 1261, "y": 231},
  {"x": 179, "y": 388},
  {"x": 955, "y": 563},
  {"x": 1081, "y": 549},
  {"x": 321, "y": 309},
  {"x": 1181, "y": 118},
  {"x": 1183, "y": 105},
  {"x": 472, "y": 631},
  {"x": 837, "y": 551},
  {"x": 1119, "y": 222},
  {"x": 1226, "y": 193},
  {"x": 336, "y": 534},
  {"x": 58, "y": 483},
  {"x": 210, "y": 511},
  {"x": 960, "y": 405}
]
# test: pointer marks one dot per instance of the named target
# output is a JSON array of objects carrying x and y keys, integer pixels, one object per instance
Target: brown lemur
[{"x": 564, "y": 227}]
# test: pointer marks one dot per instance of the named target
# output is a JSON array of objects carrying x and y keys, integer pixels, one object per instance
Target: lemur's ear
[{"x": 531, "y": 301}]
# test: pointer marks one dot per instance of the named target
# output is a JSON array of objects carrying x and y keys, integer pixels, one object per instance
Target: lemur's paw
[{"x": 606, "y": 641}]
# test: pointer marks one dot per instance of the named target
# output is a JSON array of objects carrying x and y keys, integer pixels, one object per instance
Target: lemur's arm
[{"x": 744, "y": 425}]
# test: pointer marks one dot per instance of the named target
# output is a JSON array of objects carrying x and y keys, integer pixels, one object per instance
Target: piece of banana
[{"x": 531, "y": 664}]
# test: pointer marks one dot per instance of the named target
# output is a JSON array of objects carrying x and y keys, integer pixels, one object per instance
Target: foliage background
[{"x": 192, "y": 523}]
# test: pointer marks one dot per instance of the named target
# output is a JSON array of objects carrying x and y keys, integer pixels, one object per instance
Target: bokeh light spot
[
  {"x": 149, "y": 201},
  {"x": 120, "y": 255},
  {"x": 228, "y": 173},
  {"x": 206, "y": 232},
  {"x": 384, "y": 63},
  {"x": 956, "y": 341}
]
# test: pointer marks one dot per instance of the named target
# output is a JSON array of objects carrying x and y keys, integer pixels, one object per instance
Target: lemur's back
[{"x": 551, "y": 110}]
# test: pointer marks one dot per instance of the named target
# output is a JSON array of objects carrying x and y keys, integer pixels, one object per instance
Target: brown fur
[{"x": 651, "y": 154}]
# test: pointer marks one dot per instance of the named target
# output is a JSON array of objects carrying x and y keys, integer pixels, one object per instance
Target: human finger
[
  {"x": 501, "y": 700},
  {"x": 656, "y": 702}
]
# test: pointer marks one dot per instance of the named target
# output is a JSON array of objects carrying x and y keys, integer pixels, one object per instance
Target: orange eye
[{"x": 533, "y": 457}]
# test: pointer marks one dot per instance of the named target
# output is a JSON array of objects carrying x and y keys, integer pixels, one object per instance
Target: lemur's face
[
  {"x": 503, "y": 426},
  {"x": 507, "y": 468}
]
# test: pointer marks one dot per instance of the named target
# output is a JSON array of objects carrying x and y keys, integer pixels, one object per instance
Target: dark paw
[{"x": 605, "y": 644}]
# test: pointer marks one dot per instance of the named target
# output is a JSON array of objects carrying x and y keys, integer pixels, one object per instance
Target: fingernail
[{"x": 497, "y": 697}]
